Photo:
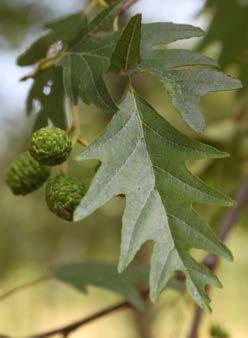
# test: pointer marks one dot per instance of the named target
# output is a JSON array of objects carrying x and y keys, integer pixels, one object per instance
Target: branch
[
  {"x": 67, "y": 329},
  {"x": 211, "y": 260}
]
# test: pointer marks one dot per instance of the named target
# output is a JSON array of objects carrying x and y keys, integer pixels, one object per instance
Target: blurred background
[{"x": 32, "y": 238}]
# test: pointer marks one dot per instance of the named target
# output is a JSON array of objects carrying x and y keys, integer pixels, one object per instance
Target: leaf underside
[{"x": 143, "y": 157}]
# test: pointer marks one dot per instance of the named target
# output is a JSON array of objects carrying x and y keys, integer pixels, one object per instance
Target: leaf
[
  {"x": 65, "y": 30},
  {"x": 161, "y": 61},
  {"x": 87, "y": 60},
  {"x": 143, "y": 157},
  {"x": 83, "y": 67},
  {"x": 161, "y": 33},
  {"x": 47, "y": 92},
  {"x": 103, "y": 275},
  {"x": 126, "y": 55},
  {"x": 186, "y": 88}
]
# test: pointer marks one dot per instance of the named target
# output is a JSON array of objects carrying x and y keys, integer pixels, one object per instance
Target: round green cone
[
  {"x": 50, "y": 146},
  {"x": 63, "y": 195},
  {"x": 26, "y": 175}
]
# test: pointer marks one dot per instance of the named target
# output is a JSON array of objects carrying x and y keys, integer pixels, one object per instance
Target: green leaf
[
  {"x": 143, "y": 157},
  {"x": 161, "y": 33},
  {"x": 187, "y": 86},
  {"x": 127, "y": 52},
  {"x": 88, "y": 60},
  {"x": 104, "y": 275},
  {"x": 83, "y": 67},
  {"x": 160, "y": 61},
  {"x": 47, "y": 94},
  {"x": 63, "y": 30}
]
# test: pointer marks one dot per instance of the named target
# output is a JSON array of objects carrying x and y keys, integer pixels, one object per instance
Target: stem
[
  {"x": 81, "y": 141},
  {"x": 74, "y": 131},
  {"x": 116, "y": 24},
  {"x": 211, "y": 260},
  {"x": 24, "y": 286}
]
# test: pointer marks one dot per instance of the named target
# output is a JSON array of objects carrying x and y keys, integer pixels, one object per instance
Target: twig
[
  {"x": 24, "y": 286},
  {"x": 67, "y": 329},
  {"x": 211, "y": 260},
  {"x": 74, "y": 131}
]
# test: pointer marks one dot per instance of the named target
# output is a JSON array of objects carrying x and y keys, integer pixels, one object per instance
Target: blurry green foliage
[
  {"x": 229, "y": 26},
  {"x": 16, "y": 16}
]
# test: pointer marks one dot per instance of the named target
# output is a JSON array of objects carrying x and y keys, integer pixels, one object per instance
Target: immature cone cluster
[
  {"x": 50, "y": 146},
  {"x": 63, "y": 195},
  {"x": 26, "y": 175}
]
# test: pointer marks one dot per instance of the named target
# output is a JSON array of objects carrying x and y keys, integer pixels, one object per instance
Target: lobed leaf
[
  {"x": 186, "y": 88},
  {"x": 83, "y": 67},
  {"x": 143, "y": 157}
]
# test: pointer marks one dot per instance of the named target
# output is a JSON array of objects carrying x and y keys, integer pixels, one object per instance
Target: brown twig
[
  {"x": 67, "y": 329},
  {"x": 211, "y": 260}
]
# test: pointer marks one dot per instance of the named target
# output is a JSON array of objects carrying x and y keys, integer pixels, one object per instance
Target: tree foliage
[{"x": 142, "y": 156}]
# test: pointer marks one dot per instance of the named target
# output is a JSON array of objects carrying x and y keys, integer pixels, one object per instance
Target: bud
[
  {"x": 50, "y": 146},
  {"x": 26, "y": 175},
  {"x": 63, "y": 195}
]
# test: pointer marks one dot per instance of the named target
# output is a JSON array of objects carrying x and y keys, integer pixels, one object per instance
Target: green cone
[
  {"x": 63, "y": 194},
  {"x": 26, "y": 175},
  {"x": 50, "y": 146}
]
